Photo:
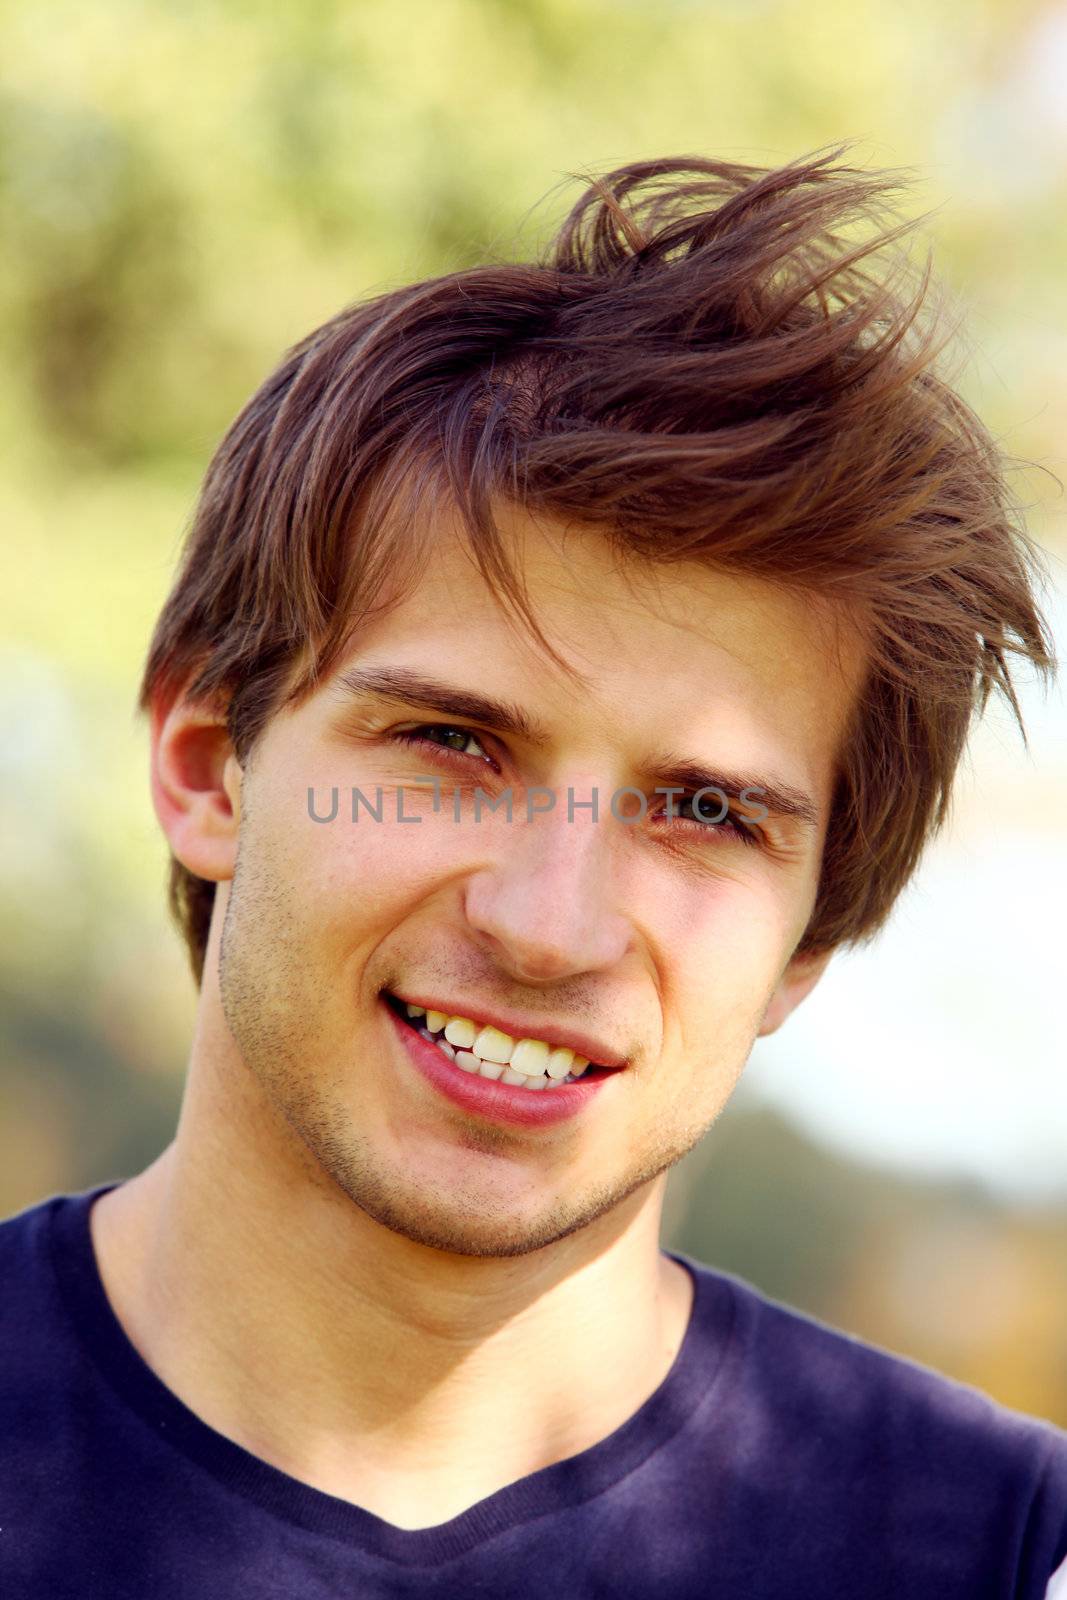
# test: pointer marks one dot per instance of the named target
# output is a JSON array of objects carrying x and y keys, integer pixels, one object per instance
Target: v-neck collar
[{"x": 685, "y": 1392}]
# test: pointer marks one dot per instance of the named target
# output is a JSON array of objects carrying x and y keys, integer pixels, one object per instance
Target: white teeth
[
  {"x": 461, "y": 1032},
  {"x": 559, "y": 1062},
  {"x": 495, "y": 1055},
  {"x": 531, "y": 1057},
  {"x": 469, "y": 1062},
  {"x": 492, "y": 1045}
]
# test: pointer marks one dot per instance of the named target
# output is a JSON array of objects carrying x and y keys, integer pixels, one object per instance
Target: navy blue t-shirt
[{"x": 777, "y": 1460}]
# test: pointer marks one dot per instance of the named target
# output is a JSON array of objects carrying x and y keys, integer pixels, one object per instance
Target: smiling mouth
[{"x": 480, "y": 1049}]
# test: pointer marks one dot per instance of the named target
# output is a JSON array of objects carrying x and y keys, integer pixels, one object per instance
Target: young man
[{"x": 565, "y": 660}]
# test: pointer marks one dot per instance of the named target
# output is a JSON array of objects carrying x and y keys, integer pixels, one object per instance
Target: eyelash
[{"x": 743, "y": 832}]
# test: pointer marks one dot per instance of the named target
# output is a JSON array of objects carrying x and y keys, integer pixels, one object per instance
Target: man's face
[{"x": 664, "y": 941}]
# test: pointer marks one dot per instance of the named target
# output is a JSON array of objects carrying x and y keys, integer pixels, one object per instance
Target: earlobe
[
  {"x": 795, "y": 984},
  {"x": 196, "y": 786}
]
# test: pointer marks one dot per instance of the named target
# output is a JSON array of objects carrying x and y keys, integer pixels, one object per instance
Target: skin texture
[{"x": 387, "y": 1297}]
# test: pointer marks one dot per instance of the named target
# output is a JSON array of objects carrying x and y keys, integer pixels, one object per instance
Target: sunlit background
[{"x": 185, "y": 192}]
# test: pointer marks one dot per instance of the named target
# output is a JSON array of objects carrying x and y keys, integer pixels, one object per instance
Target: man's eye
[
  {"x": 445, "y": 736},
  {"x": 706, "y": 815}
]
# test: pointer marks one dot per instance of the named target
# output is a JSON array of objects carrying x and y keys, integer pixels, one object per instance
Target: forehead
[{"x": 665, "y": 654}]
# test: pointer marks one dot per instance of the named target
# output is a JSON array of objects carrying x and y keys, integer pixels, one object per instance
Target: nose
[{"x": 546, "y": 907}]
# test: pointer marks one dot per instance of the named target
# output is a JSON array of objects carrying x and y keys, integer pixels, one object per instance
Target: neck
[{"x": 409, "y": 1380}]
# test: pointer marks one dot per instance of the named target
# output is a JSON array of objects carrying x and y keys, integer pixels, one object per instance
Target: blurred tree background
[{"x": 187, "y": 191}]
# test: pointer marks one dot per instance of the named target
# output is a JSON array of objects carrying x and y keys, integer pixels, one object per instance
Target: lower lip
[{"x": 485, "y": 1097}]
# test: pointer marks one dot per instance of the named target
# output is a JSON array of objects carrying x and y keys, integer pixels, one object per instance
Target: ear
[
  {"x": 795, "y": 984},
  {"x": 196, "y": 786}
]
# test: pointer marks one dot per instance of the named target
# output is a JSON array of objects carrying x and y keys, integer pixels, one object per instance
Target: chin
[
  {"x": 458, "y": 1222},
  {"x": 457, "y": 1235}
]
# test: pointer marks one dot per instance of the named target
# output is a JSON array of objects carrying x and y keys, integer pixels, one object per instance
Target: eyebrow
[
  {"x": 404, "y": 686},
  {"x": 410, "y": 688},
  {"x": 780, "y": 799}
]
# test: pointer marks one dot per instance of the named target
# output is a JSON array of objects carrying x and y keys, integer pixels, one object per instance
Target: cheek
[
  {"x": 370, "y": 869},
  {"x": 725, "y": 926},
  {"x": 727, "y": 945}
]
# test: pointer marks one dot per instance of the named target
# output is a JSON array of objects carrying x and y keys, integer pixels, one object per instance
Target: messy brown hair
[{"x": 710, "y": 362}]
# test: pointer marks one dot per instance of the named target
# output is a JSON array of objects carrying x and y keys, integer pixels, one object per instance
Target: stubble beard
[{"x": 267, "y": 993}]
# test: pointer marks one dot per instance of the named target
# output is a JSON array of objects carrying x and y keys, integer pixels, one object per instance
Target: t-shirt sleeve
[{"x": 1047, "y": 1532}]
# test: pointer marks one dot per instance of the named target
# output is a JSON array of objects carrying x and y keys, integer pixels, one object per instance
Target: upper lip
[{"x": 596, "y": 1051}]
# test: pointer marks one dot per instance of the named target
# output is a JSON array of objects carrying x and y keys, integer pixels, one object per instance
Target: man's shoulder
[
  {"x": 24, "y": 1234},
  {"x": 838, "y": 1434},
  {"x": 810, "y": 1366},
  {"x": 841, "y": 1392},
  {"x": 16, "y": 1225},
  {"x": 31, "y": 1304},
  {"x": 25, "y": 1241}
]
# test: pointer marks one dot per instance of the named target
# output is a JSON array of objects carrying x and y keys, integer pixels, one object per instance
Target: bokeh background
[{"x": 186, "y": 191}]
